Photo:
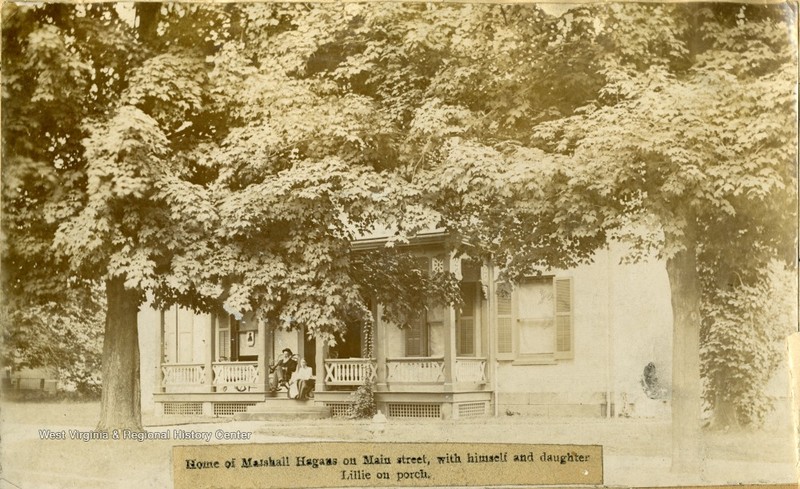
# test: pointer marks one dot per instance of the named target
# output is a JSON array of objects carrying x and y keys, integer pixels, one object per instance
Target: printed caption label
[{"x": 291, "y": 465}]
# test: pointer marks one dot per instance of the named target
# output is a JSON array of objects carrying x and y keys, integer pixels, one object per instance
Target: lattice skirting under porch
[
  {"x": 195, "y": 408},
  {"x": 471, "y": 409},
  {"x": 183, "y": 408},
  {"x": 413, "y": 410},
  {"x": 338, "y": 409},
  {"x": 231, "y": 408}
]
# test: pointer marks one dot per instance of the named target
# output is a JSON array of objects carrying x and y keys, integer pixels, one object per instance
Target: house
[
  {"x": 568, "y": 342},
  {"x": 31, "y": 379}
]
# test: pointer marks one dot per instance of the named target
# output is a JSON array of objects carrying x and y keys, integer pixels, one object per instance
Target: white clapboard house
[{"x": 569, "y": 342}]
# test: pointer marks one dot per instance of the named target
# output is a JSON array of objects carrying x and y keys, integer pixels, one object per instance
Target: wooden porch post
[
  {"x": 491, "y": 344},
  {"x": 449, "y": 330},
  {"x": 449, "y": 360},
  {"x": 209, "y": 353},
  {"x": 379, "y": 345},
  {"x": 319, "y": 359},
  {"x": 449, "y": 347},
  {"x": 263, "y": 369},
  {"x": 159, "y": 384}
]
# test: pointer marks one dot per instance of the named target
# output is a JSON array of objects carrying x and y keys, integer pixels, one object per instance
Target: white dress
[{"x": 302, "y": 373}]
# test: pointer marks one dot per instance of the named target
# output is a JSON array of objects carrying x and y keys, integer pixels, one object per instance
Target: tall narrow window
[
  {"x": 465, "y": 338},
  {"x": 185, "y": 336},
  {"x": 417, "y": 336},
  {"x": 170, "y": 318},
  {"x": 223, "y": 339},
  {"x": 418, "y": 333}
]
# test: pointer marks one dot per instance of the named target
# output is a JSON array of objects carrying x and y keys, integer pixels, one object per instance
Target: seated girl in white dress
[{"x": 302, "y": 382}]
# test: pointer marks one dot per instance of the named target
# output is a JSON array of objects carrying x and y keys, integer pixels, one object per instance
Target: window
[
  {"x": 417, "y": 336},
  {"x": 223, "y": 339},
  {"x": 185, "y": 333},
  {"x": 178, "y": 330},
  {"x": 465, "y": 323},
  {"x": 418, "y": 333},
  {"x": 534, "y": 321}
]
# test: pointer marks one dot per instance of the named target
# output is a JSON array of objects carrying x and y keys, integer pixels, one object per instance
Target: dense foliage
[
  {"x": 226, "y": 155},
  {"x": 66, "y": 337},
  {"x": 744, "y": 332},
  {"x": 361, "y": 403}
]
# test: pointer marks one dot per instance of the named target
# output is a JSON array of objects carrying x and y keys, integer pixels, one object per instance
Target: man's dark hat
[{"x": 285, "y": 350}]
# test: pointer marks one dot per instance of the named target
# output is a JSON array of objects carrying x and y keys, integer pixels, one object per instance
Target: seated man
[
  {"x": 304, "y": 378},
  {"x": 284, "y": 368}
]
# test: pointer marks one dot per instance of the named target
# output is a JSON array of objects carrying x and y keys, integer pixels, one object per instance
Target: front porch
[
  {"x": 411, "y": 387},
  {"x": 437, "y": 366},
  {"x": 404, "y": 373},
  {"x": 408, "y": 387}
]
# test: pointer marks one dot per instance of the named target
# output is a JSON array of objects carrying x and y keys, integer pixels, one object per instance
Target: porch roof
[{"x": 382, "y": 238}]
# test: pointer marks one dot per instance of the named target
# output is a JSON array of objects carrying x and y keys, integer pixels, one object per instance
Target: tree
[
  {"x": 540, "y": 139},
  {"x": 689, "y": 156},
  {"x": 196, "y": 168},
  {"x": 53, "y": 82},
  {"x": 64, "y": 336},
  {"x": 698, "y": 151},
  {"x": 226, "y": 155}
]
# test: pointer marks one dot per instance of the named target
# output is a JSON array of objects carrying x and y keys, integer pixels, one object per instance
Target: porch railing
[
  {"x": 235, "y": 373},
  {"x": 353, "y": 371},
  {"x": 341, "y": 372},
  {"x": 426, "y": 370},
  {"x": 223, "y": 373},
  {"x": 182, "y": 374},
  {"x": 471, "y": 370}
]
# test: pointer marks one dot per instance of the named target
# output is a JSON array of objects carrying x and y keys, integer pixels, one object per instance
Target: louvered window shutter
[
  {"x": 564, "y": 348},
  {"x": 505, "y": 333}
]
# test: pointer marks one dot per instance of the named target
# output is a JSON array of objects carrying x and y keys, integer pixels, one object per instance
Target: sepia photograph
[{"x": 399, "y": 244}]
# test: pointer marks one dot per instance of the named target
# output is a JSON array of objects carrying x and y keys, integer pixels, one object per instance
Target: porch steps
[{"x": 282, "y": 408}]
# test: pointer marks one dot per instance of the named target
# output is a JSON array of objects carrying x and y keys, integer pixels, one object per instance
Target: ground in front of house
[{"x": 636, "y": 451}]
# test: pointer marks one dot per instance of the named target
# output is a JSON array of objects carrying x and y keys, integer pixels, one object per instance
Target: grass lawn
[{"x": 636, "y": 451}]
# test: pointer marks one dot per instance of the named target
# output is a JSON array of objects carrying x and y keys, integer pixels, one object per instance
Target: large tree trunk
[
  {"x": 724, "y": 417},
  {"x": 686, "y": 387},
  {"x": 121, "y": 400}
]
